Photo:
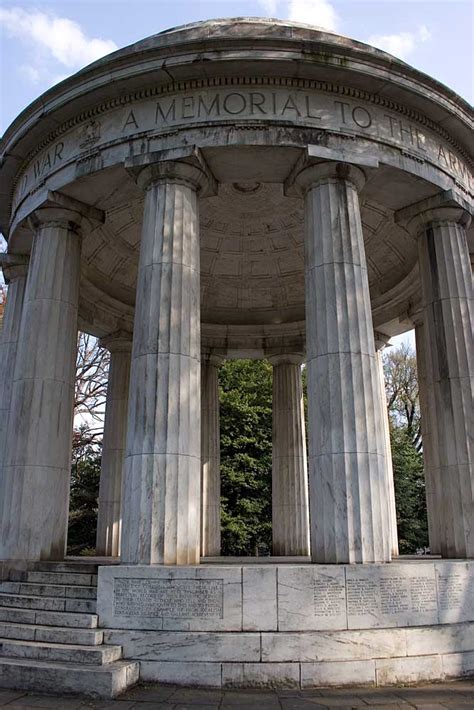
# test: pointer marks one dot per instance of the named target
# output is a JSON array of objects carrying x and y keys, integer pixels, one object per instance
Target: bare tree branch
[
  {"x": 92, "y": 368},
  {"x": 401, "y": 388}
]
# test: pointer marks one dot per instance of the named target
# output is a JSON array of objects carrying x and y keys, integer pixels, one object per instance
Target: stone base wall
[
  {"x": 294, "y": 626},
  {"x": 10, "y": 569}
]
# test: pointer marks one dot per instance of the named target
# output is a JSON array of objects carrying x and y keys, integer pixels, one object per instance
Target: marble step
[
  {"x": 53, "y": 677},
  {"x": 19, "y": 601},
  {"x": 51, "y": 634},
  {"x": 49, "y": 590},
  {"x": 68, "y": 578},
  {"x": 48, "y": 618},
  {"x": 69, "y": 653}
]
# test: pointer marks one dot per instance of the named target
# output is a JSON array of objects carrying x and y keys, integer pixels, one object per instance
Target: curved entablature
[{"x": 245, "y": 70}]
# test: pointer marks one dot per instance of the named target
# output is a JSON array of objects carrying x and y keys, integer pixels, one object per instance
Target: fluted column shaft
[
  {"x": 15, "y": 271},
  {"x": 390, "y": 486},
  {"x": 290, "y": 504},
  {"x": 38, "y": 455},
  {"x": 446, "y": 280},
  {"x": 162, "y": 476},
  {"x": 210, "y": 459},
  {"x": 431, "y": 467},
  {"x": 347, "y": 465},
  {"x": 113, "y": 445}
]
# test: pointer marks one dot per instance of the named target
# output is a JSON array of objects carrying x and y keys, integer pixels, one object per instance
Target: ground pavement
[{"x": 457, "y": 694}]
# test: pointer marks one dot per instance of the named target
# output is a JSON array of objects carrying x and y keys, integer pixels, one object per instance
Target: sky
[{"x": 42, "y": 42}]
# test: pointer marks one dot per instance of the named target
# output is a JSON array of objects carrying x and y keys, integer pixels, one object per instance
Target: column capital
[
  {"x": 381, "y": 340},
  {"x": 457, "y": 215},
  {"x": 288, "y": 358},
  {"x": 446, "y": 206},
  {"x": 117, "y": 342},
  {"x": 317, "y": 173},
  {"x": 14, "y": 266},
  {"x": 185, "y": 166},
  {"x": 64, "y": 211},
  {"x": 210, "y": 357}
]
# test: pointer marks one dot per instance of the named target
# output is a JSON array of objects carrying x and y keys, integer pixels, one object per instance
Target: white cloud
[
  {"x": 401, "y": 45},
  {"x": 270, "y": 7},
  {"x": 32, "y": 73},
  {"x": 52, "y": 41},
  {"x": 311, "y": 12}
]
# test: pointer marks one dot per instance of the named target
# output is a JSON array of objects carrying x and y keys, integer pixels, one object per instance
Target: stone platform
[{"x": 292, "y": 625}]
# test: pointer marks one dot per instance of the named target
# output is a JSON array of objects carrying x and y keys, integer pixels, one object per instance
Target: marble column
[
  {"x": 290, "y": 504},
  {"x": 428, "y": 433},
  {"x": 446, "y": 281},
  {"x": 161, "y": 518},
  {"x": 210, "y": 458},
  {"x": 347, "y": 465},
  {"x": 119, "y": 345},
  {"x": 380, "y": 344},
  {"x": 38, "y": 454},
  {"x": 15, "y": 269}
]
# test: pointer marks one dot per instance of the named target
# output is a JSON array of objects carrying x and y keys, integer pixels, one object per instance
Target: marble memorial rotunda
[{"x": 228, "y": 189}]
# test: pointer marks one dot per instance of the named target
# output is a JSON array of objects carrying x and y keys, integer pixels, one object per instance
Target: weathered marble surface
[
  {"x": 170, "y": 598},
  {"x": 447, "y": 639},
  {"x": 457, "y": 665},
  {"x": 38, "y": 453},
  {"x": 15, "y": 271},
  {"x": 315, "y": 646},
  {"x": 391, "y": 595},
  {"x": 447, "y": 295},
  {"x": 380, "y": 343},
  {"x": 289, "y": 599},
  {"x": 109, "y": 516},
  {"x": 297, "y": 625},
  {"x": 392, "y": 671},
  {"x": 256, "y": 675},
  {"x": 347, "y": 465},
  {"x": 455, "y": 585},
  {"x": 290, "y": 497},
  {"x": 428, "y": 431},
  {"x": 184, "y": 646},
  {"x": 374, "y": 672},
  {"x": 210, "y": 458},
  {"x": 162, "y": 475},
  {"x": 259, "y": 598},
  {"x": 201, "y": 674},
  {"x": 353, "y": 672},
  {"x": 312, "y": 597}
]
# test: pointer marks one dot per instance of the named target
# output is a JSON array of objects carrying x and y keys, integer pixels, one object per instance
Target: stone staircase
[{"x": 49, "y": 635}]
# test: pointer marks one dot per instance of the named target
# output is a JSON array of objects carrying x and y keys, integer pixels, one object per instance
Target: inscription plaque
[
  {"x": 329, "y": 597},
  {"x": 455, "y": 592},
  {"x": 312, "y": 598},
  {"x": 169, "y": 598},
  {"x": 390, "y": 596}
]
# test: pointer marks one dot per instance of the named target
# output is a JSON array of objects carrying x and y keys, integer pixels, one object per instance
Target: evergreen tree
[
  {"x": 401, "y": 385},
  {"x": 246, "y": 456},
  {"x": 410, "y": 497},
  {"x": 84, "y": 493}
]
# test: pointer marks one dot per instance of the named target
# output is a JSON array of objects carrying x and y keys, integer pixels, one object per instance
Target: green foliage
[
  {"x": 246, "y": 456},
  {"x": 246, "y": 461},
  {"x": 401, "y": 387},
  {"x": 410, "y": 495},
  {"x": 84, "y": 492}
]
